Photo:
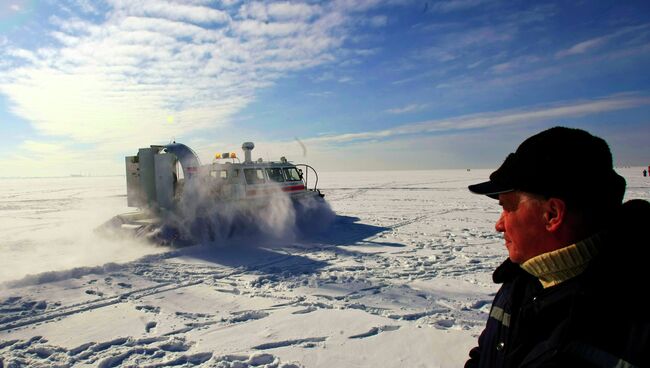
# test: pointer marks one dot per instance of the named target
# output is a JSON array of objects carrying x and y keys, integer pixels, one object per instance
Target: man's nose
[{"x": 499, "y": 225}]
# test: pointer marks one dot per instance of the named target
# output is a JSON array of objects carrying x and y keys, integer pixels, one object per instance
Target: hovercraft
[{"x": 179, "y": 201}]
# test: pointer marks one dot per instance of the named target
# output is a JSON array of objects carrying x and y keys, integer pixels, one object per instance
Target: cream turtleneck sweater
[{"x": 555, "y": 267}]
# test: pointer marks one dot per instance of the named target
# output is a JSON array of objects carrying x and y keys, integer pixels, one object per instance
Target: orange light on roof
[{"x": 225, "y": 155}]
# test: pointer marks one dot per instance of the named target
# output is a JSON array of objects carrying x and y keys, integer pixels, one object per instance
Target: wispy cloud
[
  {"x": 407, "y": 109},
  {"x": 495, "y": 119},
  {"x": 320, "y": 94},
  {"x": 525, "y": 61},
  {"x": 175, "y": 11},
  {"x": 598, "y": 42},
  {"x": 584, "y": 46},
  {"x": 86, "y": 6},
  {"x": 377, "y": 21},
  {"x": 279, "y": 11},
  {"x": 455, "y": 5},
  {"x": 457, "y": 50}
]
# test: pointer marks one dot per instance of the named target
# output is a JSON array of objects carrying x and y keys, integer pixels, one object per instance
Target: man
[{"x": 575, "y": 282}]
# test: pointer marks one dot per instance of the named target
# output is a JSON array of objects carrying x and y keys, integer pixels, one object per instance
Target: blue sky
[{"x": 364, "y": 85}]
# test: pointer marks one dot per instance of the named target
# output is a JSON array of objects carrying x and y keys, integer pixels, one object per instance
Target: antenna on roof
[{"x": 302, "y": 145}]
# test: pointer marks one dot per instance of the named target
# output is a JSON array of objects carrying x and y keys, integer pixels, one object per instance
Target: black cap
[{"x": 560, "y": 162}]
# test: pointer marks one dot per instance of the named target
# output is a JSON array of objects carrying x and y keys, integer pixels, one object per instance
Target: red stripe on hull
[{"x": 292, "y": 188}]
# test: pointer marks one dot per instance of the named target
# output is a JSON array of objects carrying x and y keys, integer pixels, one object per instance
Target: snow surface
[{"x": 402, "y": 278}]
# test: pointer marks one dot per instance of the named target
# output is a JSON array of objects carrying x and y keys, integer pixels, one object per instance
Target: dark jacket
[{"x": 599, "y": 318}]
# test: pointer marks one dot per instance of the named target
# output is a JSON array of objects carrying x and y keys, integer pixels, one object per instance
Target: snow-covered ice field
[{"x": 402, "y": 278}]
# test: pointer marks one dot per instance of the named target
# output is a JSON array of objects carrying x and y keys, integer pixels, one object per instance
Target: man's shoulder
[
  {"x": 634, "y": 215},
  {"x": 625, "y": 251},
  {"x": 631, "y": 221}
]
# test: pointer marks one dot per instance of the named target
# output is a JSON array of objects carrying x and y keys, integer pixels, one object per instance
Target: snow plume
[
  {"x": 271, "y": 215},
  {"x": 48, "y": 225},
  {"x": 313, "y": 216}
]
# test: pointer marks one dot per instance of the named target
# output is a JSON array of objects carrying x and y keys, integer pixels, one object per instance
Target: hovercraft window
[
  {"x": 275, "y": 174},
  {"x": 223, "y": 174},
  {"x": 292, "y": 174},
  {"x": 254, "y": 176}
]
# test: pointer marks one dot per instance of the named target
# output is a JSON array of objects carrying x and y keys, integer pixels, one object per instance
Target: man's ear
[{"x": 554, "y": 214}]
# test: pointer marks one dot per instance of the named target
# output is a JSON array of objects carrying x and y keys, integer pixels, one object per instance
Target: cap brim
[{"x": 490, "y": 189}]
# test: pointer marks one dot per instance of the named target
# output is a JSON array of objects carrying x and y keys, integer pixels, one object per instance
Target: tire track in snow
[
  {"x": 417, "y": 219},
  {"x": 93, "y": 304},
  {"x": 129, "y": 296},
  {"x": 357, "y": 191}
]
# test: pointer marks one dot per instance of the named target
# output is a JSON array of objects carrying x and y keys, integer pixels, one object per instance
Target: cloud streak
[
  {"x": 495, "y": 119},
  {"x": 598, "y": 42},
  {"x": 406, "y": 109}
]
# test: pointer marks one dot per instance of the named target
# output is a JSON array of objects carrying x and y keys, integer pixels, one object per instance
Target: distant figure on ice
[
  {"x": 645, "y": 173},
  {"x": 573, "y": 286}
]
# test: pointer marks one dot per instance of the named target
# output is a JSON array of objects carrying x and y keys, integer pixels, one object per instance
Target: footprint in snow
[
  {"x": 193, "y": 316},
  {"x": 11, "y": 300},
  {"x": 307, "y": 343},
  {"x": 254, "y": 360},
  {"x": 305, "y": 311},
  {"x": 375, "y": 331},
  {"x": 479, "y": 304},
  {"x": 444, "y": 324},
  {"x": 246, "y": 316},
  {"x": 150, "y": 326},
  {"x": 148, "y": 308}
]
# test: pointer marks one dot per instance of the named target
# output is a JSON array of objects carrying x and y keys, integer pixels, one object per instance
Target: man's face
[{"x": 523, "y": 226}]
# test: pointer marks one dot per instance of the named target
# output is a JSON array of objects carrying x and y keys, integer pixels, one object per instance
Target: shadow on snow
[{"x": 291, "y": 257}]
